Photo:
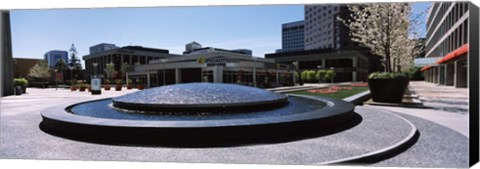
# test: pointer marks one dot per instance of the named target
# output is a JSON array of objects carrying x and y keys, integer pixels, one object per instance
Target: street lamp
[
  {"x": 163, "y": 63},
  {"x": 295, "y": 66},
  {"x": 319, "y": 68},
  {"x": 95, "y": 64},
  {"x": 71, "y": 74},
  {"x": 56, "y": 80},
  {"x": 331, "y": 79}
]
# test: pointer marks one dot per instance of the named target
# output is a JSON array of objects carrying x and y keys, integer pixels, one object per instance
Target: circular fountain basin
[
  {"x": 200, "y": 97},
  {"x": 287, "y": 116}
]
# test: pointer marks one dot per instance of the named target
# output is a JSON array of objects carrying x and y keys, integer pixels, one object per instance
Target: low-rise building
[
  {"x": 131, "y": 55},
  {"x": 348, "y": 65},
  {"x": 213, "y": 65}
]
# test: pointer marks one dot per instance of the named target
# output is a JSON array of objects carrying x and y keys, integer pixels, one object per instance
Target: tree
[
  {"x": 74, "y": 60},
  {"x": 123, "y": 69},
  {"x": 61, "y": 66},
  {"x": 41, "y": 71},
  {"x": 388, "y": 30},
  {"x": 109, "y": 70}
]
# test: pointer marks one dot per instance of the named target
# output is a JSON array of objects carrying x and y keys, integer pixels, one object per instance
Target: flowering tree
[
  {"x": 388, "y": 30},
  {"x": 41, "y": 71}
]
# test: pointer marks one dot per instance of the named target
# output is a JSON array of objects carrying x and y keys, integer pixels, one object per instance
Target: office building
[
  {"x": 293, "y": 36},
  {"x": 52, "y": 57},
  {"x": 323, "y": 29},
  {"x": 102, "y": 47},
  {"x": 131, "y": 55},
  {"x": 447, "y": 44}
]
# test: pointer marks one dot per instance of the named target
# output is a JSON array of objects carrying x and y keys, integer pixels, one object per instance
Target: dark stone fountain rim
[{"x": 59, "y": 114}]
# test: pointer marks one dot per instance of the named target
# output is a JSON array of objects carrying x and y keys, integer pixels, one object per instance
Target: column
[
  {"x": 148, "y": 79},
  {"x": 441, "y": 74},
  {"x": 354, "y": 76},
  {"x": 6, "y": 54},
  {"x": 254, "y": 74},
  {"x": 178, "y": 76},
  {"x": 217, "y": 74},
  {"x": 354, "y": 66},
  {"x": 449, "y": 73},
  {"x": 324, "y": 63}
]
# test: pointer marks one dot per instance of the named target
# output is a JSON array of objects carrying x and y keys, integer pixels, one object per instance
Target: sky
[{"x": 34, "y": 32}]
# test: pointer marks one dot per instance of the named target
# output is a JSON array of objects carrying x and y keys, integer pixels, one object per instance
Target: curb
[
  {"x": 358, "y": 99},
  {"x": 384, "y": 153}
]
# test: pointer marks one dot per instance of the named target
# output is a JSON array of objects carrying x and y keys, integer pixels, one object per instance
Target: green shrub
[
  {"x": 311, "y": 76},
  {"x": 387, "y": 75},
  {"x": 321, "y": 75},
  {"x": 20, "y": 82},
  {"x": 304, "y": 75},
  {"x": 330, "y": 75}
]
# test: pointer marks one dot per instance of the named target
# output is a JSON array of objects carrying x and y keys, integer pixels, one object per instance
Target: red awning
[
  {"x": 425, "y": 68},
  {"x": 453, "y": 55}
]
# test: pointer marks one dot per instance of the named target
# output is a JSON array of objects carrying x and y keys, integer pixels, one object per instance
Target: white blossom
[{"x": 388, "y": 30}]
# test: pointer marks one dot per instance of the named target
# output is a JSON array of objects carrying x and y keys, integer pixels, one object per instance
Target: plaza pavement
[
  {"x": 445, "y": 105},
  {"x": 21, "y": 138}
]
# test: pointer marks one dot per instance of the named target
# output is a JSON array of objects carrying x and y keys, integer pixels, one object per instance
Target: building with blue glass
[
  {"x": 293, "y": 36},
  {"x": 52, "y": 57}
]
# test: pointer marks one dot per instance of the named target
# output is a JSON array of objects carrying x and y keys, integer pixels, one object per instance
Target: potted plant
[
  {"x": 82, "y": 87},
  {"x": 17, "y": 86},
  {"x": 22, "y": 82},
  {"x": 118, "y": 86},
  {"x": 140, "y": 87},
  {"x": 129, "y": 84},
  {"x": 107, "y": 85},
  {"x": 387, "y": 87}
]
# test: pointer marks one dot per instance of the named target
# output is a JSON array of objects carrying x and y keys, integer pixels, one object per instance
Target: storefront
[{"x": 215, "y": 67}]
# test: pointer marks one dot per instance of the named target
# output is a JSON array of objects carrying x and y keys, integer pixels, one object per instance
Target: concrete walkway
[{"x": 446, "y": 105}]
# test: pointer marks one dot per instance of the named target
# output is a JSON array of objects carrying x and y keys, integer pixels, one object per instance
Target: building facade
[
  {"x": 293, "y": 34},
  {"x": 323, "y": 29},
  {"x": 53, "y": 56},
  {"x": 102, "y": 47},
  {"x": 447, "y": 42},
  {"x": 216, "y": 66},
  {"x": 22, "y": 66},
  {"x": 131, "y": 55},
  {"x": 348, "y": 65}
]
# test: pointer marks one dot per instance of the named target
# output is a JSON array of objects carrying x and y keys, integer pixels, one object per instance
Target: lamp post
[
  {"x": 71, "y": 74},
  {"x": 95, "y": 64},
  {"x": 295, "y": 66},
  {"x": 333, "y": 69},
  {"x": 56, "y": 80},
  {"x": 319, "y": 68},
  {"x": 163, "y": 69}
]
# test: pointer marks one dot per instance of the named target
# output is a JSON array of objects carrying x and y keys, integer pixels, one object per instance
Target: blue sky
[{"x": 35, "y": 32}]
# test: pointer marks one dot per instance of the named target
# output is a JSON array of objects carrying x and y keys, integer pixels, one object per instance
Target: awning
[
  {"x": 453, "y": 55},
  {"x": 425, "y": 68}
]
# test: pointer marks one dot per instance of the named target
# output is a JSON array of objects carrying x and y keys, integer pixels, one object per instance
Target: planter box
[
  {"x": 118, "y": 87},
  {"x": 388, "y": 90},
  {"x": 107, "y": 87}
]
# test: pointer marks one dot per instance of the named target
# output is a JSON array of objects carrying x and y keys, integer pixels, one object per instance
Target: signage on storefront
[{"x": 220, "y": 60}]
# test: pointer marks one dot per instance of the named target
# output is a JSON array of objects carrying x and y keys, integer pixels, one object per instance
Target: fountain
[{"x": 196, "y": 113}]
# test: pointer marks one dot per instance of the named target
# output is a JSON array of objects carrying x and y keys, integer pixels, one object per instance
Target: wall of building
[
  {"x": 53, "y": 56},
  {"x": 22, "y": 66},
  {"x": 447, "y": 33},
  {"x": 293, "y": 36}
]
